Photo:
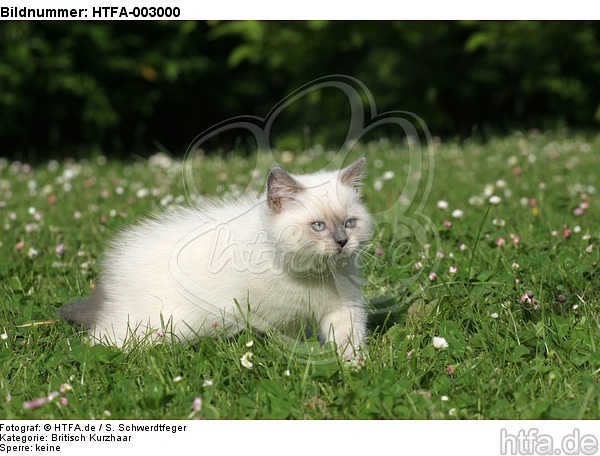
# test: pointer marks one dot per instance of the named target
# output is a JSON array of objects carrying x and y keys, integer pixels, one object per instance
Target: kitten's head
[{"x": 318, "y": 219}]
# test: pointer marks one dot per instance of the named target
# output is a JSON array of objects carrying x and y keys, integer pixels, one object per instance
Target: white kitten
[{"x": 274, "y": 262}]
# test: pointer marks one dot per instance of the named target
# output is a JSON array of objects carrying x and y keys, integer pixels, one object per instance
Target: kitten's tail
[
  {"x": 78, "y": 312},
  {"x": 84, "y": 313}
]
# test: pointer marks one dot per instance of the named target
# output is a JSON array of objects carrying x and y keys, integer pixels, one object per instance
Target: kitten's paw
[{"x": 357, "y": 359}]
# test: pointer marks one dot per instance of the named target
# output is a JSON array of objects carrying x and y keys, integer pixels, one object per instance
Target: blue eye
[
  {"x": 318, "y": 226},
  {"x": 350, "y": 223}
]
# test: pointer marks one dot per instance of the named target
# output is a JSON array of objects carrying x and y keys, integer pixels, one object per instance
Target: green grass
[{"x": 534, "y": 360}]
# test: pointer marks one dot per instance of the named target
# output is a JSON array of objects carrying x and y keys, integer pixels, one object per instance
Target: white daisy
[
  {"x": 443, "y": 205},
  {"x": 246, "y": 360},
  {"x": 495, "y": 200},
  {"x": 440, "y": 343}
]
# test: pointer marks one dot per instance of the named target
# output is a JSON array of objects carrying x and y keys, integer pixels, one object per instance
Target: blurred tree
[
  {"x": 454, "y": 75},
  {"x": 129, "y": 87},
  {"x": 101, "y": 84}
]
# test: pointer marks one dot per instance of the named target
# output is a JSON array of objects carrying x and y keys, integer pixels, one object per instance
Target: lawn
[{"x": 497, "y": 253}]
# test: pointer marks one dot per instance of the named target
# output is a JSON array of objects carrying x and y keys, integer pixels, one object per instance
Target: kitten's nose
[{"x": 342, "y": 242}]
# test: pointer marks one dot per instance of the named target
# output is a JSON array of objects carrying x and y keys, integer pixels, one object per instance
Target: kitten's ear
[
  {"x": 281, "y": 188},
  {"x": 352, "y": 175}
]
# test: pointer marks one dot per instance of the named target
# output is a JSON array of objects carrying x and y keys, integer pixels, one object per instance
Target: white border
[
  {"x": 448, "y": 438},
  {"x": 341, "y": 9}
]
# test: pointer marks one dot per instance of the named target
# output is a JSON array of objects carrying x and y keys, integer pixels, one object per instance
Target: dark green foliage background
[{"x": 135, "y": 87}]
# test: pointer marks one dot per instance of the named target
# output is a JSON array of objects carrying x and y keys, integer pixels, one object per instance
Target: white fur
[{"x": 215, "y": 269}]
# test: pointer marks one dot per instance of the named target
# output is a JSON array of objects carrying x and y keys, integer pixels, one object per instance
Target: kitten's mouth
[{"x": 340, "y": 254}]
